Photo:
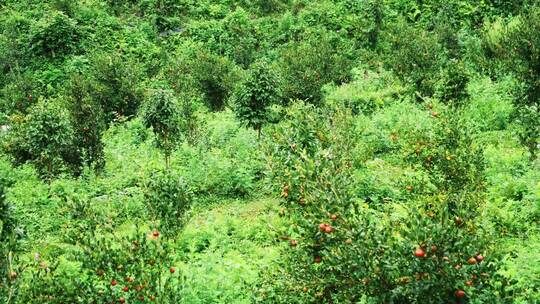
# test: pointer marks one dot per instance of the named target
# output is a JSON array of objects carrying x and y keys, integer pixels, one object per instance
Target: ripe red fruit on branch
[
  {"x": 322, "y": 227},
  {"x": 471, "y": 261},
  {"x": 433, "y": 248},
  {"x": 126, "y": 289},
  {"x": 152, "y": 298},
  {"x": 333, "y": 217},
  {"x": 171, "y": 270},
  {"x": 479, "y": 258},
  {"x": 113, "y": 282},
  {"x": 419, "y": 253},
  {"x": 328, "y": 229},
  {"x": 469, "y": 283},
  {"x": 317, "y": 260},
  {"x": 155, "y": 233},
  {"x": 459, "y": 294},
  {"x": 122, "y": 300}
]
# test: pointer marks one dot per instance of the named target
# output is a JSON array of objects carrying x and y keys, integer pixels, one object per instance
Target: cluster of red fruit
[{"x": 420, "y": 253}]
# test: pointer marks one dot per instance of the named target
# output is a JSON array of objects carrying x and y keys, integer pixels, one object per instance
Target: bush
[
  {"x": 343, "y": 247},
  {"x": 306, "y": 65},
  {"x": 255, "y": 95},
  {"x": 490, "y": 105},
  {"x": 168, "y": 197},
  {"x": 162, "y": 113},
  {"x": 117, "y": 85},
  {"x": 368, "y": 92},
  {"x": 55, "y": 34},
  {"x": 44, "y": 137}
]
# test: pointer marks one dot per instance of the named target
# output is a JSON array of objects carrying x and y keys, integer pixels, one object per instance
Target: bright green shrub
[
  {"x": 368, "y": 92},
  {"x": 133, "y": 264},
  {"x": 255, "y": 95},
  {"x": 415, "y": 55},
  {"x": 88, "y": 120},
  {"x": 343, "y": 247},
  {"x": 490, "y": 104},
  {"x": 43, "y": 137},
  {"x": 194, "y": 68},
  {"x": 117, "y": 85},
  {"x": 306, "y": 65},
  {"x": 162, "y": 112},
  {"x": 55, "y": 34},
  {"x": 168, "y": 197}
]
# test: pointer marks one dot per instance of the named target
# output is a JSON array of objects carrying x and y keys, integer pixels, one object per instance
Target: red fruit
[
  {"x": 113, "y": 282},
  {"x": 474, "y": 277},
  {"x": 152, "y": 298},
  {"x": 328, "y": 229},
  {"x": 419, "y": 253},
  {"x": 333, "y": 217},
  {"x": 293, "y": 243},
  {"x": 433, "y": 248},
  {"x": 129, "y": 279},
  {"x": 479, "y": 258},
  {"x": 471, "y": 261},
  {"x": 155, "y": 233},
  {"x": 126, "y": 289},
  {"x": 122, "y": 300},
  {"x": 469, "y": 283},
  {"x": 317, "y": 260},
  {"x": 459, "y": 294},
  {"x": 322, "y": 227},
  {"x": 172, "y": 270},
  {"x": 138, "y": 288}
]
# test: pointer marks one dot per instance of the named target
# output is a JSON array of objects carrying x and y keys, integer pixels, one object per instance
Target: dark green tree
[
  {"x": 162, "y": 112},
  {"x": 256, "y": 93}
]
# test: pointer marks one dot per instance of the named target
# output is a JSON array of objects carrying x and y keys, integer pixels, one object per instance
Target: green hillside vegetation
[{"x": 269, "y": 151}]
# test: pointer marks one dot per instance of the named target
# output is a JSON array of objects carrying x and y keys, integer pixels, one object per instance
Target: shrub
[
  {"x": 162, "y": 113},
  {"x": 88, "y": 119},
  {"x": 306, "y": 65},
  {"x": 117, "y": 85},
  {"x": 55, "y": 34},
  {"x": 168, "y": 197},
  {"x": 342, "y": 247},
  {"x": 193, "y": 68},
  {"x": 43, "y": 137},
  {"x": 368, "y": 92},
  {"x": 135, "y": 265},
  {"x": 254, "y": 96}
]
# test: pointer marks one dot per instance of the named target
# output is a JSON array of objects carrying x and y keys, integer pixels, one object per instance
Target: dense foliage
[{"x": 399, "y": 162}]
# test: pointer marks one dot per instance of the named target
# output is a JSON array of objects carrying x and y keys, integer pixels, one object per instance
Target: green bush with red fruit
[
  {"x": 342, "y": 249},
  {"x": 109, "y": 267}
]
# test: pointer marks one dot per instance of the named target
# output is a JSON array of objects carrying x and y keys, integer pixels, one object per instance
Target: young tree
[
  {"x": 162, "y": 113},
  {"x": 256, "y": 93},
  {"x": 43, "y": 137}
]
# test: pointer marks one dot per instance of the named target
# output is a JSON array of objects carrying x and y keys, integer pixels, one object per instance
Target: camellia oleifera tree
[
  {"x": 162, "y": 112},
  {"x": 343, "y": 248},
  {"x": 255, "y": 95},
  {"x": 44, "y": 137}
]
